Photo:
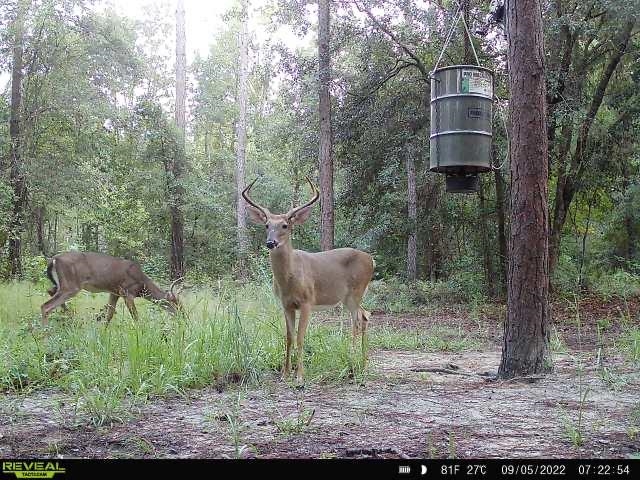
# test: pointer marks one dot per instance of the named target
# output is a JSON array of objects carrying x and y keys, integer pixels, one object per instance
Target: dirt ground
[{"x": 413, "y": 404}]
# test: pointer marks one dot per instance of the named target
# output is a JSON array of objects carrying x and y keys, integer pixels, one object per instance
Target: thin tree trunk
[
  {"x": 502, "y": 237},
  {"x": 412, "y": 211},
  {"x": 40, "y": 238},
  {"x": 326, "y": 139},
  {"x": 631, "y": 236},
  {"x": 241, "y": 142},
  {"x": 485, "y": 243},
  {"x": 526, "y": 332},
  {"x": 176, "y": 189},
  {"x": 16, "y": 173}
]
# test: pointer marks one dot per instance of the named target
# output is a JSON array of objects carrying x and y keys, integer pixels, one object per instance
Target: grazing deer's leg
[
  {"x": 305, "y": 312},
  {"x": 355, "y": 326},
  {"x": 364, "y": 321},
  {"x": 290, "y": 321},
  {"x": 58, "y": 299},
  {"x": 132, "y": 307},
  {"x": 111, "y": 307},
  {"x": 52, "y": 291}
]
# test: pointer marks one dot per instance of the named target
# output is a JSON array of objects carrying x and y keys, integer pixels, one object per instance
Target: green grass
[
  {"x": 225, "y": 336},
  {"x": 629, "y": 344},
  {"x": 435, "y": 339},
  {"x": 228, "y": 336}
]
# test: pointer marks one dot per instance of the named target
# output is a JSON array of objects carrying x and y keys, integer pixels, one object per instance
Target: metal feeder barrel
[{"x": 461, "y": 115}]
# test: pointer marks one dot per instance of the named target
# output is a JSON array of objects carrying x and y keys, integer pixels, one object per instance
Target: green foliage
[
  {"x": 396, "y": 295},
  {"x": 619, "y": 283},
  {"x": 226, "y": 337}
]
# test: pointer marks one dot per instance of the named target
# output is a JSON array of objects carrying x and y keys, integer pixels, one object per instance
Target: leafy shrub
[{"x": 617, "y": 284}]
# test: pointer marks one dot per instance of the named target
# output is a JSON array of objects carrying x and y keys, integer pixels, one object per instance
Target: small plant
[
  {"x": 236, "y": 429},
  {"x": 557, "y": 344},
  {"x": 431, "y": 451},
  {"x": 629, "y": 344},
  {"x": 453, "y": 454},
  {"x": 300, "y": 421},
  {"x": 611, "y": 380},
  {"x": 575, "y": 430}
]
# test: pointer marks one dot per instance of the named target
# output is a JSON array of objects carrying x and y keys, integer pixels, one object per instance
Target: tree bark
[
  {"x": 525, "y": 348},
  {"x": 241, "y": 142},
  {"x": 176, "y": 189},
  {"x": 325, "y": 159},
  {"x": 16, "y": 172},
  {"x": 412, "y": 212}
]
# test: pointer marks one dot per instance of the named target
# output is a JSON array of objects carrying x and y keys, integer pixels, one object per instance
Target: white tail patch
[{"x": 54, "y": 274}]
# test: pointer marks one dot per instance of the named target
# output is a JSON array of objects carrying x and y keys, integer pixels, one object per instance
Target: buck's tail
[{"x": 51, "y": 273}]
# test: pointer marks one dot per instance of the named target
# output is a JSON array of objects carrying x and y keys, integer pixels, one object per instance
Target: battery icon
[{"x": 404, "y": 469}]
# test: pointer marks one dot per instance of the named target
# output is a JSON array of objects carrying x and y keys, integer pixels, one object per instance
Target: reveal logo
[{"x": 32, "y": 469}]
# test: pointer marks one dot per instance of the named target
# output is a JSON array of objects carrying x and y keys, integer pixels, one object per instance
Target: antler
[
  {"x": 245, "y": 195},
  {"x": 316, "y": 196},
  {"x": 173, "y": 284}
]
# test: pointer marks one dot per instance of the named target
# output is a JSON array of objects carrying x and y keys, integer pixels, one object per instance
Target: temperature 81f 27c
[{"x": 470, "y": 470}]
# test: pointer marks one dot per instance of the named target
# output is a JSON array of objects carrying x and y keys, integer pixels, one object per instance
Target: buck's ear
[
  {"x": 301, "y": 216},
  {"x": 256, "y": 215}
]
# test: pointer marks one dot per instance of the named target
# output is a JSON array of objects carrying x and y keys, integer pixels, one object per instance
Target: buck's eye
[
  {"x": 266, "y": 226},
  {"x": 285, "y": 226}
]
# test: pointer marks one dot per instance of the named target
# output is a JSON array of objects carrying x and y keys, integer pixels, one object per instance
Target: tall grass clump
[{"x": 224, "y": 336}]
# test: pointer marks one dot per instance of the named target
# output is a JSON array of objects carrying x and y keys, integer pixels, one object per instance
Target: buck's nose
[{"x": 271, "y": 244}]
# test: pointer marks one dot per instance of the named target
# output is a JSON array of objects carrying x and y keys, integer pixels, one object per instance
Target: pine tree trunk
[
  {"x": 16, "y": 172},
  {"x": 176, "y": 189},
  {"x": 241, "y": 142},
  {"x": 326, "y": 139},
  {"x": 526, "y": 334},
  {"x": 412, "y": 212}
]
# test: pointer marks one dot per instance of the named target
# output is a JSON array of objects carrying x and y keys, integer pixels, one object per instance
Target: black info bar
[{"x": 67, "y": 469}]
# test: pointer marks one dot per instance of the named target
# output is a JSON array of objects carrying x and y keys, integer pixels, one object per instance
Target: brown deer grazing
[
  {"x": 71, "y": 272},
  {"x": 304, "y": 281}
]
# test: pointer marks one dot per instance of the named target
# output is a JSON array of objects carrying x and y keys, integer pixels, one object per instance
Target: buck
[
  {"x": 71, "y": 272},
  {"x": 306, "y": 281}
]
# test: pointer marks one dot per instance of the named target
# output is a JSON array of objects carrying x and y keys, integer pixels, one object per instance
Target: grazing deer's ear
[
  {"x": 255, "y": 215},
  {"x": 301, "y": 216}
]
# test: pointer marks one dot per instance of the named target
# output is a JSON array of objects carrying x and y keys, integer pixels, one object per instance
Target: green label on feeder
[{"x": 475, "y": 81}]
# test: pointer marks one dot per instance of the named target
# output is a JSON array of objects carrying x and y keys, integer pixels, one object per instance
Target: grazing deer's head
[
  {"x": 173, "y": 297},
  {"x": 279, "y": 226}
]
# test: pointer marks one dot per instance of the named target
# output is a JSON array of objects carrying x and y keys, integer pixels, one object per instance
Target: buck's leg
[
  {"x": 111, "y": 307},
  {"x": 290, "y": 321},
  {"x": 132, "y": 307},
  {"x": 305, "y": 313},
  {"x": 58, "y": 299}
]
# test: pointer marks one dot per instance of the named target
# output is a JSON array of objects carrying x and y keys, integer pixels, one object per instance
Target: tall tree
[
  {"x": 17, "y": 174},
  {"x": 325, "y": 159},
  {"x": 412, "y": 211},
  {"x": 176, "y": 189},
  {"x": 525, "y": 347},
  {"x": 241, "y": 139}
]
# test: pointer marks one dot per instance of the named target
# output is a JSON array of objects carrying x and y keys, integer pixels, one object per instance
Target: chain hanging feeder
[{"x": 461, "y": 118}]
